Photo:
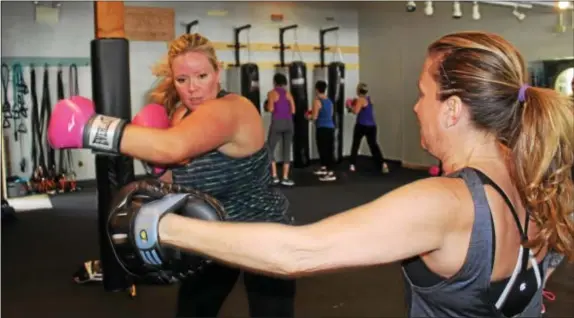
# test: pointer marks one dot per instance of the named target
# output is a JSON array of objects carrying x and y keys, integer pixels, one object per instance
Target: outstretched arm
[
  {"x": 409, "y": 221},
  {"x": 210, "y": 126}
]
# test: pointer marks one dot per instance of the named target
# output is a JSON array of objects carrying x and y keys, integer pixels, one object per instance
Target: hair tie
[{"x": 522, "y": 92}]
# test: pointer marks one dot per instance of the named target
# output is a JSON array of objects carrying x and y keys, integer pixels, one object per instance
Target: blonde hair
[
  {"x": 487, "y": 73},
  {"x": 362, "y": 87},
  {"x": 164, "y": 92}
]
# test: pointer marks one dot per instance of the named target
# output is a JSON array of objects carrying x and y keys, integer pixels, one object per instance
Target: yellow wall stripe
[
  {"x": 272, "y": 47},
  {"x": 267, "y": 65}
]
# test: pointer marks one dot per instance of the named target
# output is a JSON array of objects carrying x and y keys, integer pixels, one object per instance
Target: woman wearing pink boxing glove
[{"x": 217, "y": 145}]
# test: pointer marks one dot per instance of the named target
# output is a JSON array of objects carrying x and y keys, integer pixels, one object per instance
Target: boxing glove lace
[{"x": 75, "y": 124}]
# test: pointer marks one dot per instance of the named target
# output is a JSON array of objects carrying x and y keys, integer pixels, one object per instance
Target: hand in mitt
[{"x": 133, "y": 223}]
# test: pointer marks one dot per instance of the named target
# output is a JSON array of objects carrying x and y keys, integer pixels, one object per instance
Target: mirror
[{"x": 564, "y": 82}]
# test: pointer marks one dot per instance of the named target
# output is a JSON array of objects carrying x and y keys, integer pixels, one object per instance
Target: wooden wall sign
[{"x": 149, "y": 24}]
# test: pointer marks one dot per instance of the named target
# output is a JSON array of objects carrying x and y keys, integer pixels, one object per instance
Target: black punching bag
[
  {"x": 298, "y": 88},
  {"x": 336, "y": 93},
  {"x": 250, "y": 84}
]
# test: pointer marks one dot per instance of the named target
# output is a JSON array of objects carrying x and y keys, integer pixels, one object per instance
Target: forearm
[
  {"x": 149, "y": 144},
  {"x": 272, "y": 248}
]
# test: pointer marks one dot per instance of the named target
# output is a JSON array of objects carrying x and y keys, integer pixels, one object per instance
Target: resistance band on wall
[
  {"x": 20, "y": 111},
  {"x": 48, "y": 177},
  {"x": 38, "y": 160},
  {"x": 6, "y": 107},
  {"x": 45, "y": 118}
]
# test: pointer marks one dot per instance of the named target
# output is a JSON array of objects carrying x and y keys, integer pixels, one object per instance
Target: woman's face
[
  {"x": 195, "y": 79},
  {"x": 427, "y": 109}
]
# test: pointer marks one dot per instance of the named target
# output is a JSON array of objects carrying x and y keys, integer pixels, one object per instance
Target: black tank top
[{"x": 242, "y": 185}]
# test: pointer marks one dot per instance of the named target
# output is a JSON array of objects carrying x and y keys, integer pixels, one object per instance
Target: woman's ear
[{"x": 452, "y": 111}]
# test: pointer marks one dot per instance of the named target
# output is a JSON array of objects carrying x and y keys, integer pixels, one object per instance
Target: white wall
[
  {"x": 393, "y": 42},
  {"x": 22, "y": 36}
]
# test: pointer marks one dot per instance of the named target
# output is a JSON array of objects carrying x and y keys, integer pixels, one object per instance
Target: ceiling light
[
  {"x": 456, "y": 11},
  {"x": 475, "y": 11},
  {"x": 411, "y": 6},
  {"x": 429, "y": 10}
]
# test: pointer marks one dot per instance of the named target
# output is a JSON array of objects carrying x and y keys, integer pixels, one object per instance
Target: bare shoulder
[
  {"x": 440, "y": 189},
  {"x": 440, "y": 197},
  {"x": 228, "y": 102},
  {"x": 240, "y": 108}
]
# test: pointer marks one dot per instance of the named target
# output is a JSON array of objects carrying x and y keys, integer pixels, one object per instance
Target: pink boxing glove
[
  {"x": 154, "y": 116},
  {"x": 75, "y": 124},
  {"x": 349, "y": 102}
]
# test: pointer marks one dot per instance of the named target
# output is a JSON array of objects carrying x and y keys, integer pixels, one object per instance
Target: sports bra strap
[
  {"x": 487, "y": 181},
  {"x": 524, "y": 255}
]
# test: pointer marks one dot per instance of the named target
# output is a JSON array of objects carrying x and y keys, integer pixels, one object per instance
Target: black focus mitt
[{"x": 132, "y": 228}]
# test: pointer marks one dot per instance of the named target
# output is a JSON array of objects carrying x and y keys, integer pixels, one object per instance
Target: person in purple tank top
[
  {"x": 365, "y": 126},
  {"x": 281, "y": 105}
]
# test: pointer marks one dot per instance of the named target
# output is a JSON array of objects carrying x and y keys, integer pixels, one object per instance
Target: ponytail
[{"x": 543, "y": 154}]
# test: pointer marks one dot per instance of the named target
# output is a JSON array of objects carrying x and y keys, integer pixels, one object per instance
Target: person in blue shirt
[{"x": 322, "y": 114}]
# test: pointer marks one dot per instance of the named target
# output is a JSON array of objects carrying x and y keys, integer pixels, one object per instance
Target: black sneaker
[
  {"x": 287, "y": 182},
  {"x": 320, "y": 172}
]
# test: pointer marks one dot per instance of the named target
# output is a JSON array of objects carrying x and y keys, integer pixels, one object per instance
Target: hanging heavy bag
[
  {"x": 298, "y": 88},
  {"x": 250, "y": 84},
  {"x": 336, "y": 93}
]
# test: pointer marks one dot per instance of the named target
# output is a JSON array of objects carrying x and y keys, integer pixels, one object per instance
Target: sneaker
[
  {"x": 89, "y": 272},
  {"x": 328, "y": 177},
  {"x": 320, "y": 172},
  {"x": 287, "y": 182},
  {"x": 352, "y": 168},
  {"x": 385, "y": 169},
  {"x": 275, "y": 180}
]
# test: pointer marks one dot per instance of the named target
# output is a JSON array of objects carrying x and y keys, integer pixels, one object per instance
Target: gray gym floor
[{"x": 41, "y": 251}]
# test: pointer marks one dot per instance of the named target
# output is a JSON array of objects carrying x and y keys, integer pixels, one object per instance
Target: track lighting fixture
[
  {"x": 519, "y": 15},
  {"x": 411, "y": 6},
  {"x": 475, "y": 11},
  {"x": 429, "y": 10},
  {"x": 456, "y": 10}
]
